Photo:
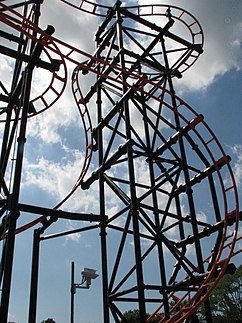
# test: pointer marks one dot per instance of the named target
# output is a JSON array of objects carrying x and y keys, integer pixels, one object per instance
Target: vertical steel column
[
  {"x": 189, "y": 190},
  {"x": 16, "y": 88},
  {"x": 103, "y": 233},
  {"x": 13, "y": 199},
  {"x": 15, "y": 93},
  {"x": 34, "y": 277},
  {"x": 156, "y": 217},
  {"x": 133, "y": 198},
  {"x": 72, "y": 291},
  {"x": 14, "y": 213}
]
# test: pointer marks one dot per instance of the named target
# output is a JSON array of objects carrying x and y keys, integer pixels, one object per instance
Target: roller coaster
[{"x": 155, "y": 155}]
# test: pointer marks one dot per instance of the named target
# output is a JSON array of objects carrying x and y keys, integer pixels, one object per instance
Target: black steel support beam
[
  {"x": 106, "y": 165},
  {"x": 181, "y": 132},
  {"x": 103, "y": 226},
  {"x": 167, "y": 33},
  {"x": 202, "y": 175},
  {"x": 65, "y": 233},
  {"x": 34, "y": 277},
  {"x": 11, "y": 37},
  {"x": 20, "y": 4},
  {"x": 52, "y": 67},
  {"x": 60, "y": 214},
  {"x": 14, "y": 212}
]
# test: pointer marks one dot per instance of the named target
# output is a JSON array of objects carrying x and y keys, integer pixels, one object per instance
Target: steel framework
[{"x": 157, "y": 158}]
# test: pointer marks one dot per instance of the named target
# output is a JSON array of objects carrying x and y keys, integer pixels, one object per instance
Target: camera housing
[{"x": 88, "y": 274}]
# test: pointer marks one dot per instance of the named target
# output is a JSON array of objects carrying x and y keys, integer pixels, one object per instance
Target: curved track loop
[
  {"x": 58, "y": 79},
  {"x": 87, "y": 124},
  {"x": 56, "y": 86},
  {"x": 208, "y": 139},
  {"x": 228, "y": 187},
  {"x": 185, "y": 312},
  {"x": 72, "y": 56},
  {"x": 27, "y": 27},
  {"x": 191, "y": 24}
]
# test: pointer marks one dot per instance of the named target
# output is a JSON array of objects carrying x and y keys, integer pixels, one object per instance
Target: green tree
[
  {"x": 225, "y": 302},
  {"x": 132, "y": 316},
  {"x": 226, "y": 299}
]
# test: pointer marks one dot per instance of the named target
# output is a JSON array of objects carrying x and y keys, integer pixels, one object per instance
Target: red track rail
[
  {"x": 87, "y": 124},
  {"x": 178, "y": 14},
  {"x": 56, "y": 86},
  {"x": 58, "y": 78},
  {"x": 188, "y": 309},
  {"x": 227, "y": 187}
]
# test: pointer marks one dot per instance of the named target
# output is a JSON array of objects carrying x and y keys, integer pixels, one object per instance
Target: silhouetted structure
[{"x": 155, "y": 156}]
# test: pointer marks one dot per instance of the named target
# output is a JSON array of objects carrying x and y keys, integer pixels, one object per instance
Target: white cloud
[
  {"x": 47, "y": 126},
  {"x": 237, "y": 168},
  {"x": 6, "y": 69},
  {"x": 55, "y": 178},
  {"x": 70, "y": 24},
  {"x": 11, "y": 317},
  {"x": 75, "y": 237}
]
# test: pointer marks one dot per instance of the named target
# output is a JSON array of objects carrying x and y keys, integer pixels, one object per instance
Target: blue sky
[{"x": 55, "y": 152}]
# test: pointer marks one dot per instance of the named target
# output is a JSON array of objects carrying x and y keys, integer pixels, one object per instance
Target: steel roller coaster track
[{"x": 150, "y": 209}]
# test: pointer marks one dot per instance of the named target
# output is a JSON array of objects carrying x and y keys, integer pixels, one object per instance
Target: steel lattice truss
[{"x": 155, "y": 156}]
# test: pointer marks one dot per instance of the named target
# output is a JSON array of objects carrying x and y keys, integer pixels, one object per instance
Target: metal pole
[
  {"x": 14, "y": 213},
  {"x": 103, "y": 233},
  {"x": 72, "y": 290},
  {"x": 14, "y": 198},
  {"x": 34, "y": 277},
  {"x": 133, "y": 197}
]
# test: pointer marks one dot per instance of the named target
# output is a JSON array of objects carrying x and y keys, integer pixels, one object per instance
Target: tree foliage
[
  {"x": 225, "y": 302},
  {"x": 132, "y": 316},
  {"x": 226, "y": 299}
]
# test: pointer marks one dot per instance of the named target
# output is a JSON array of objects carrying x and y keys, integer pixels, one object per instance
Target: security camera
[{"x": 88, "y": 274}]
